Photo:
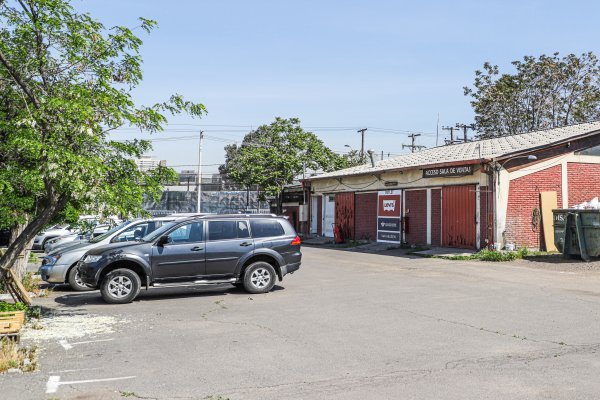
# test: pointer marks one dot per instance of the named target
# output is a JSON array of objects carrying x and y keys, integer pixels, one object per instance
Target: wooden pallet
[
  {"x": 11, "y": 321},
  {"x": 14, "y": 337}
]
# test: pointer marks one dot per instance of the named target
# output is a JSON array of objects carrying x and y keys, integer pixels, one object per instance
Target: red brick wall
[
  {"x": 486, "y": 216},
  {"x": 365, "y": 216},
  {"x": 416, "y": 212},
  {"x": 583, "y": 182},
  {"x": 523, "y": 198},
  {"x": 436, "y": 217}
]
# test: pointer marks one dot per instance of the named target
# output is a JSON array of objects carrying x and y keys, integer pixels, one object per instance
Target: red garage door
[
  {"x": 344, "y": 214},
  {"x": 415, "y": 216},
  {"x": 458, "y": 216}
]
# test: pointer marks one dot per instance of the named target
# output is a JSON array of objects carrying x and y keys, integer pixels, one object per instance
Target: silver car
[
  {"x": 58, "y": 266},
  {"x": 66, "y": 240}
]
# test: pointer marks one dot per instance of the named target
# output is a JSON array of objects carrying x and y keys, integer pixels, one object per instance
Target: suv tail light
[{"x": 296, "y": 241}]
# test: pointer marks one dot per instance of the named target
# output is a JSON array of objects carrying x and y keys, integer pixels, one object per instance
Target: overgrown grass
[
  {"x": 13, "y": 356},
  {"x": 491, "y": 255}
]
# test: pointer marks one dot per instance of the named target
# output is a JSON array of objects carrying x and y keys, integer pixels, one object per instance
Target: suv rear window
[
  {"x": 224, "y": 230},
  {"x": 265, "y": 228}
]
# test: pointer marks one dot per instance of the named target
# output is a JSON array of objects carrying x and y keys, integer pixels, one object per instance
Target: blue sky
[{"x": 383, "y": 64}]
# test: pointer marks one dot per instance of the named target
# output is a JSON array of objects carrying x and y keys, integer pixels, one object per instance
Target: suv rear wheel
[
  {"x": 259, "y": 277},
  {"x": 120, "y": 286}
]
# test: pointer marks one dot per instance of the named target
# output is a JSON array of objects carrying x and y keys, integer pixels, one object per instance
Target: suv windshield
[
  {"x": 110, "y": 232},
  {"x": 158, "y": 233}
]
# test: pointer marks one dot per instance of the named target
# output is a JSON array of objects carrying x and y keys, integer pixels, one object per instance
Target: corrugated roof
[{"x": 477, "y": 150}]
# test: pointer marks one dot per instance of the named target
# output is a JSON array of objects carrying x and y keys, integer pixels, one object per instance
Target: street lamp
[{"x": 529, "y": 157}]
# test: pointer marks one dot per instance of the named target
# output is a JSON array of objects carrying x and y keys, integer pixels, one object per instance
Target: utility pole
[
  {"x": 465, "y": 127},
  {"x": 199, "y": 200},
  {"x": 362, "y": 144},
  {"x": 413, "y": 146},
  {"x": 451, "y": 129}
]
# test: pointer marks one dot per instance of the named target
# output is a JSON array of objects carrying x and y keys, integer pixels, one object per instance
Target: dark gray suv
[{"x": 249, "y": 251}]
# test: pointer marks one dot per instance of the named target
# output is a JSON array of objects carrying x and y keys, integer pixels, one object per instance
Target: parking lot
[{"x": 347, "y": 325}]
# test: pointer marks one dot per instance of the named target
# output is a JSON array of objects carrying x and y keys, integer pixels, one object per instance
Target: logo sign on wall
[{"x": 389, "y": 206}]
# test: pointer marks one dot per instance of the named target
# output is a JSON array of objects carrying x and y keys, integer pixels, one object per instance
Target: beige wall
[{"x": 405, "y": 179}]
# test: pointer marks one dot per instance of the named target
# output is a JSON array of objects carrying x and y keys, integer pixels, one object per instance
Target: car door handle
[
  {"x": 246, "y": 244},
  {"x": 197, "y": 248}
]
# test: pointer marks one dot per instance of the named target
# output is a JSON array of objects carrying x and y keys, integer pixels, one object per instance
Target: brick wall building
[{"x": 478, "y": 194}]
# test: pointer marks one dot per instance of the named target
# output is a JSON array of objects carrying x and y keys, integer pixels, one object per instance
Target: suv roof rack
[{"x": 208, "y": 216}]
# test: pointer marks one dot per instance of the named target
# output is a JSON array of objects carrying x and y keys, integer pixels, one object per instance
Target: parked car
[
  {"x": 58, "y": 266},
  {"x": 65, "y": 240},
  {"x": 249, "y": 251},
  {"x": 54, "y": 231}
]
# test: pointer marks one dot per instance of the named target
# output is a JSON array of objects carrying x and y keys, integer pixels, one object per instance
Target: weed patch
[
  {"x": 491, "y": 255},
  {"x": 14, "y": 357}
]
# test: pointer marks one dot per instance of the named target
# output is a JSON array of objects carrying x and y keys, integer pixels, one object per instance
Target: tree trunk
[
  {"x": 20, "y": 266},
  {"x": 18, "y": 246}
]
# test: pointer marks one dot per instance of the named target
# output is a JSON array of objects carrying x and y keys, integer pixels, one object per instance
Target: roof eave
[{"x": 423, "y": 166}]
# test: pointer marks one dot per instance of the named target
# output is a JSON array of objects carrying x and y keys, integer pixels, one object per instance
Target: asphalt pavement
[{"x": 347, "y": 325}]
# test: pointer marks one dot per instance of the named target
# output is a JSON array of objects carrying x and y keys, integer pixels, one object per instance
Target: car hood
[
  {"x": 68, "y": 247},
  {"x": 115, "y": 246},
  {"x": 54, "y": 232}
]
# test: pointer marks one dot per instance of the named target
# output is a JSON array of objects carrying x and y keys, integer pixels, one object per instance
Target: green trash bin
[
  {"x": 560, "y": 220},
  {"x": 577, "y": 232}
]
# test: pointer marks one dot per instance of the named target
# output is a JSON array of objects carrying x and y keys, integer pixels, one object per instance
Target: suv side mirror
[{"x": 164, "y": 240}]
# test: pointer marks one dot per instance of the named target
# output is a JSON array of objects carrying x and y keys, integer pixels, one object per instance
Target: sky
[{"x": 390, "y": 66}]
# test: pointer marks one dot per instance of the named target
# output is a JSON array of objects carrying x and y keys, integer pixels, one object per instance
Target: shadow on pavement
[
  {"x": 558, "y": 259},
  {"x": 77, "y": 299}
]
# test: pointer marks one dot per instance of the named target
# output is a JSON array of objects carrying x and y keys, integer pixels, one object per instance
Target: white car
[{"x": 53, "y": 232}]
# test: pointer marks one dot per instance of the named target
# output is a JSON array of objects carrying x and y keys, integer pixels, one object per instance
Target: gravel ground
[{"x": 558, "y": 263}]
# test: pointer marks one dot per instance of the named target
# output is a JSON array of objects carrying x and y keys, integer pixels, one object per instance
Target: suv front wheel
[
  {"x": 120, "y": 286},
  {"x": 75, "y": 280},
  {"x": 259, "y": 277}
]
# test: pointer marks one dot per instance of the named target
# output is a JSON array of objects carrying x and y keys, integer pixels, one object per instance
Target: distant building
[
  {"x": 188, "y": 176},
  {"x": 146, "y": 163}
]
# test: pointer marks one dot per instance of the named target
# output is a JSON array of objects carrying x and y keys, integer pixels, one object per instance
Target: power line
[{"x": 413, "y": 146}]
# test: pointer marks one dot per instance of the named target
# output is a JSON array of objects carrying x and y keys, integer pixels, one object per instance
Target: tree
[
  {"x": 544, "y": 92},
  {"x": 65, "y": 84},
  {"x": 353, "y": 158},
  {"x": 272, "y": 156}
]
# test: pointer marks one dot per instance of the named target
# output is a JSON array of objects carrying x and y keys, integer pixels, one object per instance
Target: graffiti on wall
[{"x": 221, "y": 202}]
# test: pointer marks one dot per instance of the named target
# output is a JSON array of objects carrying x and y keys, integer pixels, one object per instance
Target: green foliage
[
  {"x": 544, "y": 92},
  {"x": 272, "y": 156},
  {"x": 65, "y": 83},
  {"x": 491, "y": 255},
  {"x": 4, "y": 306}
]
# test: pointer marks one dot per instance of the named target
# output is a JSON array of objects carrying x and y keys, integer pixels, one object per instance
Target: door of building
[
  {"x": 459, "y": 217},
  {"x": 314, "y": 215},
  {"x": 328, "y": 214}
]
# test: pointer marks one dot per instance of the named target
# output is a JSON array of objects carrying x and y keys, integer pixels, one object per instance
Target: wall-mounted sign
[
  {"x": 458, "y": 170},
  {"x": 388, "y": 224},
  {"x": 389, "y": 206}
]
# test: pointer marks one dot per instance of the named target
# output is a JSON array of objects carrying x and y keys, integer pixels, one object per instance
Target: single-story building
[{"x": 479, "y": 194}]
